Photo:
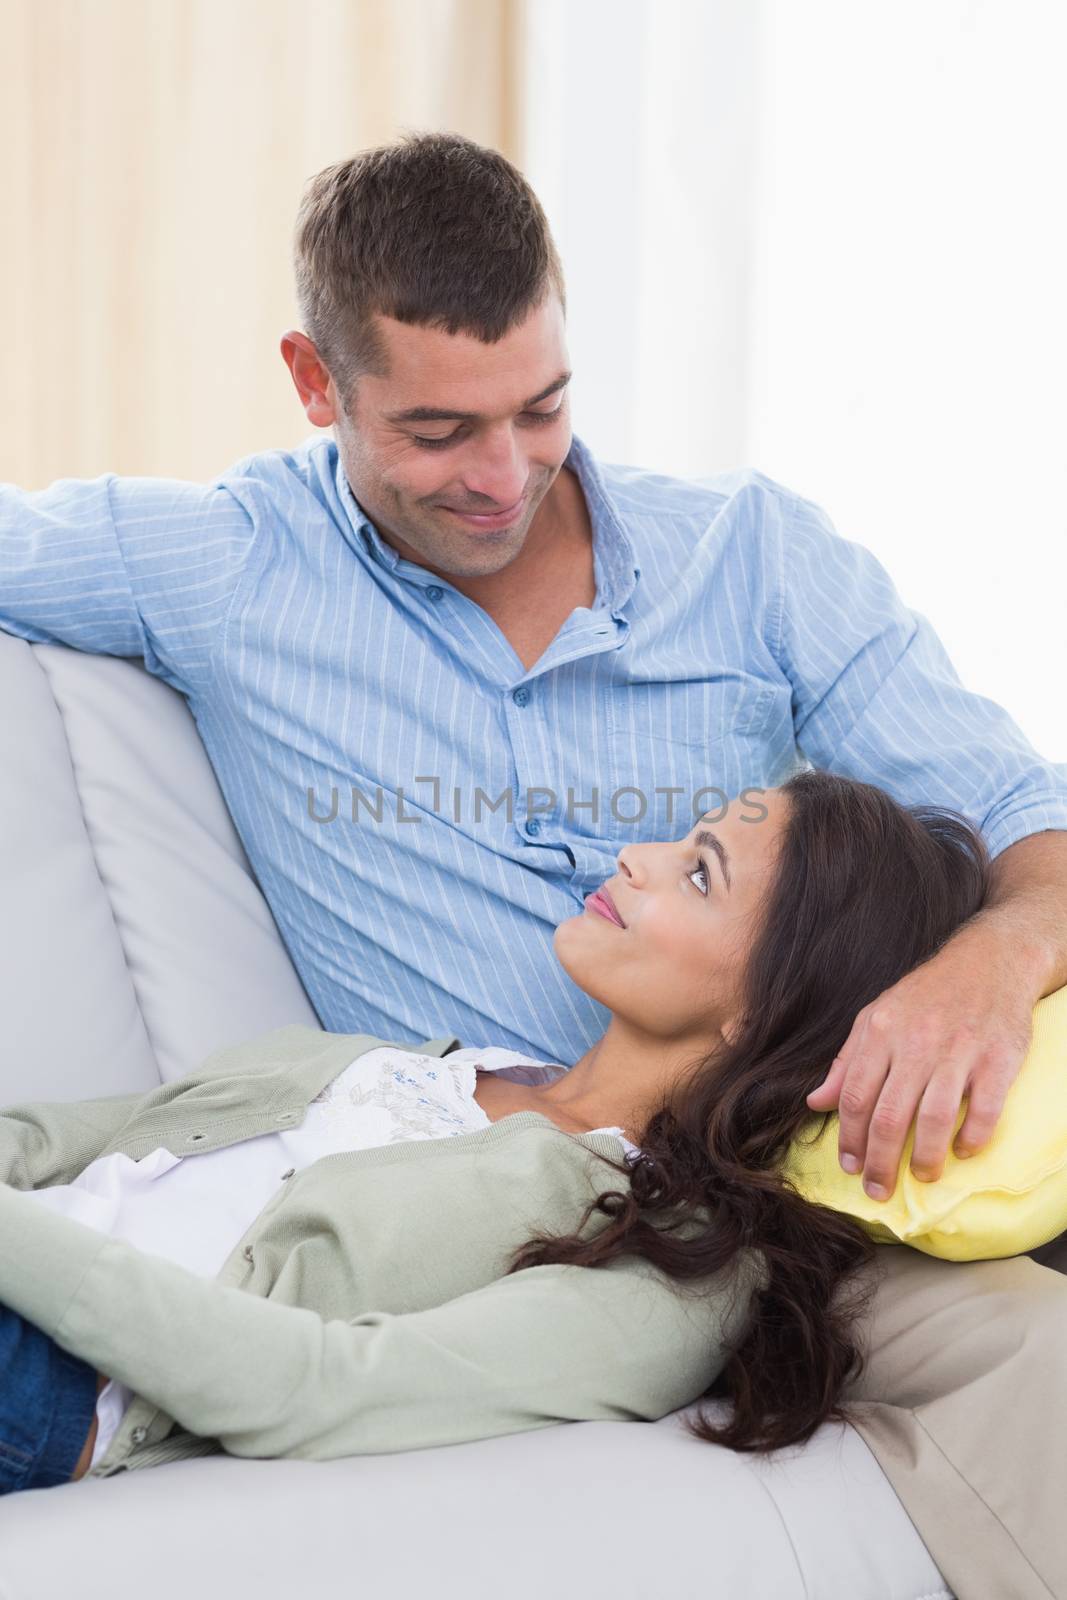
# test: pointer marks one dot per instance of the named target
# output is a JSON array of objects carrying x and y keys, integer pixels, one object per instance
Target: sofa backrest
[{"x": 134, "y": 937}]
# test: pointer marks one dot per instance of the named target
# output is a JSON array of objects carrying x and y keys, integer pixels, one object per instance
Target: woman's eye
[
  {"x": 704, "y": 874},
  {"x": 441, "y": 444}
]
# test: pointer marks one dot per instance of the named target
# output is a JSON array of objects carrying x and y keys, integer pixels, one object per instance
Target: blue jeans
[{"x": 47, "y": 1402}]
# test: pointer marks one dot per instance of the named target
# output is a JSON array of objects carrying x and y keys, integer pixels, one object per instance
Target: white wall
[
  {"x": 826, "y": 239},
  {"x": 654, "y": 234}
]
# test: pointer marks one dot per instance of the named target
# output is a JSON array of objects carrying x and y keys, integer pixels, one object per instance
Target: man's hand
[{"x": 958, "y": 1025}]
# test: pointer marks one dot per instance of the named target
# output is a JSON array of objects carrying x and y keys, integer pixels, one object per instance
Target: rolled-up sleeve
[
  {"x": 123, "y": 566},
  {"x": 876, "y": 697}
]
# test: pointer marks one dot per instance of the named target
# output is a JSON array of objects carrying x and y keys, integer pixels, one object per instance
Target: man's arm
[
  {"x": 557, "y": 1343},
  {"x": 963, "y": 1022},
  {"x": 876, "y": 697},
  {"x": 123, "y": 566},
  {"x": 1026, "y": 911},
  {"x": 958, "y": 1026}
]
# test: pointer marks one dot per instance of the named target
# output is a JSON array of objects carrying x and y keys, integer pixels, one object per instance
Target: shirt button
[
  {"x": 434, "y": 592},
  {"x": 533, "y": 828},
  {"x": 139, "y": 1435},
  {"x": 521, "y": 695}
]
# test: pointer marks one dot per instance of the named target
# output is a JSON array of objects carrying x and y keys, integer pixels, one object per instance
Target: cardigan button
[
  {"x": 247, "y": 1252},
  {"x": 139, "y": 1435},
  {"x": 289, "y": 1174}
]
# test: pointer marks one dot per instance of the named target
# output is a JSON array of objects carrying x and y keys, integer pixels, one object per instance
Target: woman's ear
[{"x": 730, "y": 1029}]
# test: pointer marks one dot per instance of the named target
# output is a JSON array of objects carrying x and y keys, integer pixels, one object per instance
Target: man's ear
[{"x": 312, "y": 380}]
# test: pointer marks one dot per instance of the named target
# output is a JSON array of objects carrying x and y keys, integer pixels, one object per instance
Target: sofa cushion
[
  {"x": 1006, "y": 1199},
  {"x": 135, "y": 939}
]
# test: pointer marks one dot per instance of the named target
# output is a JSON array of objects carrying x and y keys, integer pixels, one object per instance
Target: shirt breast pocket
[{"x": 678, "y": 749}]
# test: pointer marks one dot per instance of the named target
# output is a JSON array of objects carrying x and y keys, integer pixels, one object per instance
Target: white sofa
[{"x": 134, "y": 941}]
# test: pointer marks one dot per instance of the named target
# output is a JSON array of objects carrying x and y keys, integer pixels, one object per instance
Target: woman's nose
[
  {"x": 629, "y": 862},
  {"x": 641, "y": 862}
]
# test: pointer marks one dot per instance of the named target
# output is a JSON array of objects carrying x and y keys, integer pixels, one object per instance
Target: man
[{"x": 445, "y": 664}]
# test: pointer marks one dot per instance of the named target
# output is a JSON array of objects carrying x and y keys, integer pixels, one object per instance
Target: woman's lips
[{"x": 604, "y": 908}]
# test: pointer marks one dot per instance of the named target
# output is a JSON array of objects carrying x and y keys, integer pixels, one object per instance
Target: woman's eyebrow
[{"x": 706, "y": 838}]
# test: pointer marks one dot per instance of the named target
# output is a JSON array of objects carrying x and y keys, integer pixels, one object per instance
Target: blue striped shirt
[{"x": 420, "y": 811}]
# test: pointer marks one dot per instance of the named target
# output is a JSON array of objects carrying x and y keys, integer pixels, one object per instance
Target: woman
[{"x": 733, "y": 962}]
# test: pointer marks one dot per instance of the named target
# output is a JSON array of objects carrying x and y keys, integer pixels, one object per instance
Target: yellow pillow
[{"x": 1006, "y": 1199}]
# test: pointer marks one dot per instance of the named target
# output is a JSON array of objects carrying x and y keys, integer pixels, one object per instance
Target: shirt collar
[{"x": 614, "y": 558}]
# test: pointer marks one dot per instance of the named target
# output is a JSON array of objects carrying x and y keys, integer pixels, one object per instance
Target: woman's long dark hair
[{"x": 865, "y": 890}]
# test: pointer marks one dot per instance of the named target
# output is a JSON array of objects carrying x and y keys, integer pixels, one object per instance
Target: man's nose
[{"x": 500, "y": 473}]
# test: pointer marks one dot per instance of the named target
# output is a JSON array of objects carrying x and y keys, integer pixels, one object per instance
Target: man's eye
[{"x": 536, "y": 417}]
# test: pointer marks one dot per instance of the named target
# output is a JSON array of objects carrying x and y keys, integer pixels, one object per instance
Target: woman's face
[{"x": 674, "y": 969}]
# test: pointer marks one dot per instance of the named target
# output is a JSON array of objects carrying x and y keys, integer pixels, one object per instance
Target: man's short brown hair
[{"x": 433, "y": 230}]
